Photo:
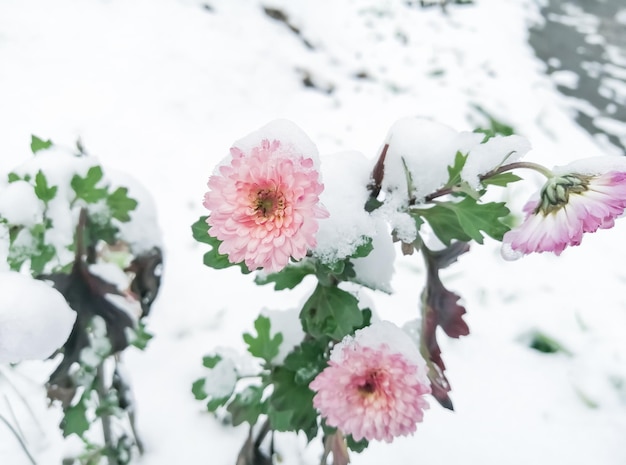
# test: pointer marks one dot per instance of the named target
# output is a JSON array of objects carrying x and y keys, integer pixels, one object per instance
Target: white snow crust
[{"x": 35, "y": 319}]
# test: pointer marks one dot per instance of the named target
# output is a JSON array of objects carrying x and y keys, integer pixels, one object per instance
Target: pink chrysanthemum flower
[
  {"x": 374, "y": 385},
  {"x": 569, "y": 205},
  {"x": 265, "y": 205}
]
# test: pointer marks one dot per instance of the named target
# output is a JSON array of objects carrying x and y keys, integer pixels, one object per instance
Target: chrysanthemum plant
[
  {"x": 64, "y": 222},
  {"x": 338, "y": 371}
]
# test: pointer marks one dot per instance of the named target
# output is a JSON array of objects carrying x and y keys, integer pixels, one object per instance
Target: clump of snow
[
  {"x": 245, "y": 364},
  {"x": 420, "y": 152},
  {"x": 292, "y": 139},
  {"x": 346, "y": 176},
  {"x": 110, "y": 273},
  {"x": 508, "y": 253},
  {"x": 402, "y": 224},
  {"x": 221, "y": 380},
  {"x": 59, "y": 166},
  {"x": 493, "y": 153},
  {"x": 35, "y": 319},
  {"x": 593, "y": 165},
  {"x": 143, "y": 231},
  {"x": 287, "y": 323},
  {"x": 426, "y": 149},
  {"x": 20, "y": 205},
  {"x": 565, "y": 78},
  {"x": 376, "y": 269},
  {"x": 114, "y": 275}
]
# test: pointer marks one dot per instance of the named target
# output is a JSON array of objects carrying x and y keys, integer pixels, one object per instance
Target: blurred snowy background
[{"x": 160, "y": 89}]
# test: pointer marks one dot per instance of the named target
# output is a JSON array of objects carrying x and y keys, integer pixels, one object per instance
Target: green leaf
[
  {"x": 120, "y": 204},
  {"x": 12, "y": 177},
  {"x": 139, "y": 336},
  {"x": 502, "y": 179},
  {"x": 372, "y": 204},
  {"x": 280, "y": 420},
  {"x": 106, "y": 231},
  {"x": 287, "y": 278},
  {"x": 291, "y": 404},
  {"x": 364, "y": 249},
  {"x": 475, "y": 217},
  {"x": 85, "y": 188},
  {"x": 444, "y": 222},
  {"x": 541, "y": 342},
  {"x": 213, "y": 404},
  {"x": 331, "y": 312},
  {"x": 75, "y": 420},
  {"x": 308, "y": 359},
  {"x": 197, "y": 389},
  {"x": 335, "y": 268},
  {"x": 210, "y": 361},
  {"x": 37, "y": 144},
  {"x": 356, "y": 446},
  {"x": 495, "y": 127},
  {"x": 40, "y": 259},
  {"x": 42, "y": 190},
  {"x": 454, "y": 171},
  {"x": 263, "y": 345},
  {"x": 212, "y": 258},
  {"x": 200, "y": 231},
  {"x": 247, "y": 405}
]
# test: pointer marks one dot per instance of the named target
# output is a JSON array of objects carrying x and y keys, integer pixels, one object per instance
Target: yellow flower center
[{"x": 269, "y": 203}]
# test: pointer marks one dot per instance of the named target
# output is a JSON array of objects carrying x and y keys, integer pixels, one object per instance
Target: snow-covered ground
[{"x": 162, "y": 88}]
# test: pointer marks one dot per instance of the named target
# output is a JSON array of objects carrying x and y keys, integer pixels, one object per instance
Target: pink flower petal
[
  {"x": 265, "y": 206},
  {"x": 373, "y": 391},
  {"x": 595, "y": 207}
]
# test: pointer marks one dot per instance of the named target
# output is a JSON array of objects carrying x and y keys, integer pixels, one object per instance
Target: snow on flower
[
  {"x": 374, "y": 385},
  {"x": 264, "y": 199},
  {"x": 569, "y": 205},
  {"x": 35, "y": 319}
]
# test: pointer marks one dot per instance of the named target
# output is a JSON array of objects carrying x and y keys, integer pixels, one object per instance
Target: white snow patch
[
  {"x": 497, "y": 151},
  {"x": 593, "y": 165},
  {"x": 376, "y": 269},
  {"x": 565, "y": 78},
  {"x": 19, "y": 204},
  {"x": 221, "y": 380},
  {"x": 287, "y": 323},
  {"x": 346, "y": 176},
  {"x": 293, "y": 140},
  {"x": 425, "y": 149},
  {"x": 35, "y": 319},
  {"x": 143, "y": 231}
]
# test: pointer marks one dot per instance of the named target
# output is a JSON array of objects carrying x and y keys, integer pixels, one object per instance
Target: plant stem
[
  {"x": 516, "y": 165},
  {"x": 105, "y": 417},
  {"x": 499, "y": 170}
]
